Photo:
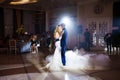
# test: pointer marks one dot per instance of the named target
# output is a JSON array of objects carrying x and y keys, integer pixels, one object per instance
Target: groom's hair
[{"x": 63, "y": 25}]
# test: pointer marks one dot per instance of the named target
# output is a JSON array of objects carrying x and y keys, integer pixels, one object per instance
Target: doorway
[{"x": 98, "y": 27}]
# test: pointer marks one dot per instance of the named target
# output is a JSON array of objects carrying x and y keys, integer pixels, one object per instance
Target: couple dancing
[
  {"x": 58, "y": 59},
  {"x": 62, "y": 59}
]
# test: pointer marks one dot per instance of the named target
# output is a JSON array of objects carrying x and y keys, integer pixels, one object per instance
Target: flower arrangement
[{"x": 20, "y": 30}]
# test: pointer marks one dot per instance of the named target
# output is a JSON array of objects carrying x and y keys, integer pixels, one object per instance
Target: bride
[
  {"x": 55, "y": 62},
  {"x": 77, "y": 59}
]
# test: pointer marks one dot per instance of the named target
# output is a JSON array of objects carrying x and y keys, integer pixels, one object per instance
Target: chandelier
[{"x": 18, "y": 2}]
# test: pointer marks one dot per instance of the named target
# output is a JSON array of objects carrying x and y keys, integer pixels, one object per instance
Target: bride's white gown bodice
[{"x": 74, "y": 60}]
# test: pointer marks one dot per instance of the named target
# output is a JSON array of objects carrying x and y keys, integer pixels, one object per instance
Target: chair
[{"x": 12, "y": 46}]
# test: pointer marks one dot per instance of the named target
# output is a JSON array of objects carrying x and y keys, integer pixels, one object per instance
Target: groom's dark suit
[{"x": 63, "y": 46}]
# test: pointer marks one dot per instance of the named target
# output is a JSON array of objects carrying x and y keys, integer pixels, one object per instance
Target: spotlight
[
  {"x": 69, "y": 23},
  {"x": 66, "y": 21}
]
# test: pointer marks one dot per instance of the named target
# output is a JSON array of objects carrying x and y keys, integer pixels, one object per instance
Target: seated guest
[{"x": 33, "y": 45}]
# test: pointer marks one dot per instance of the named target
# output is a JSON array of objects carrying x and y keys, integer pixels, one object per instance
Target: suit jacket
[{"x": 64, "y": 38}]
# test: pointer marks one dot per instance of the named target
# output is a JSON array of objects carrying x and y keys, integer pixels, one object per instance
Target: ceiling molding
[
  {"x": 48, "y": 4},
  {"x": 82, "y": 2}
]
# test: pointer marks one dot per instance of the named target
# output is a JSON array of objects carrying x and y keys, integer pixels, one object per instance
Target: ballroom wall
[
  {"x": 15, "y": 18},
  {"x": 116, "y": 14},
  {"x": 100, "y": 13},
  {"x": 54, "y": 18},
  {"x": 88, "y": 11},
  {"x": 98, "y": 18},
  {"x": 1, "y": 22},
  {"x": 28, "y": 21}
]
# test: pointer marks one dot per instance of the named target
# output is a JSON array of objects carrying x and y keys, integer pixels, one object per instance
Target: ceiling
[{"x": 44, "y": 4}]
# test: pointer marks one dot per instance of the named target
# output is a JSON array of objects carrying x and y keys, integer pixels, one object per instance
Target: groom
[{"x": 63, "y": 44}]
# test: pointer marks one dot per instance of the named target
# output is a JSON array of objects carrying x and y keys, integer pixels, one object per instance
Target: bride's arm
[
  {"x": 60, "y": 37},
  {"x": 61, "y": 34}
]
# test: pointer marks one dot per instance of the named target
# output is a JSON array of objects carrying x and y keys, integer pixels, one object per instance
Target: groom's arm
[{"x": 62, "y": 32}]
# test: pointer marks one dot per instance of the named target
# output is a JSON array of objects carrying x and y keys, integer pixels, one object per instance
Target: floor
[{"x": 26, "y": 66}]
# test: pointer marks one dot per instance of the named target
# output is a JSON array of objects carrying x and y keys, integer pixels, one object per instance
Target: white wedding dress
[
  {"x": 76, "y": 60},
  {"x": 55, "y": 62}
]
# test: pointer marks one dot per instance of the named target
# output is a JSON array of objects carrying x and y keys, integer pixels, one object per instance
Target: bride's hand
[{"x": 60, "y": 37}]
